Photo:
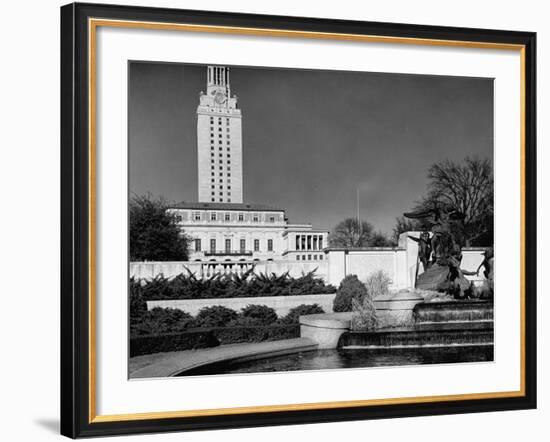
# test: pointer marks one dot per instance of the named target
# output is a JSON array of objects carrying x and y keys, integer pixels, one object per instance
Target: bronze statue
[
  {"x": 424, "y": 248},
  {"x": 444, "y": 273}
]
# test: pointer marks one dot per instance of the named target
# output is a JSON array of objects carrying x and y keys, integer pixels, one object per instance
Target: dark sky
[{"x": 311, "y": 138}]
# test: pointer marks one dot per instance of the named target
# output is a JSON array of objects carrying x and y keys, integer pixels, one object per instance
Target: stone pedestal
[
  {"x": 396, "y": 309},
  {"x": 325, "y": 329}
]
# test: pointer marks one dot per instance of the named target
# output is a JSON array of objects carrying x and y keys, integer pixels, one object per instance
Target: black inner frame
[{"x": 75, "y": 220}]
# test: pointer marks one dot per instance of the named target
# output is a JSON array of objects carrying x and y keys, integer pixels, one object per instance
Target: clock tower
[{"x": 219, "y": 141}]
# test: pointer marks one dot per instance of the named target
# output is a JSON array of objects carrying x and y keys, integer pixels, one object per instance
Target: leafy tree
[
  {"x": 154, "y": 232},
  {"x": 351, "y": 233},
  {"x": 468, "y": 189}
]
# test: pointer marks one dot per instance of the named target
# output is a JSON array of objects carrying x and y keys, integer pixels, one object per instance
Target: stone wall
[
  {"x": 148, "y": 270},
  {"x": 281, "y": 304},
  {"x": 400, "y": 263}
]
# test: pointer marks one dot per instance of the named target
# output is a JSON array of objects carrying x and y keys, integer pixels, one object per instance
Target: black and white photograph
[{"x": 293, "y": 219}]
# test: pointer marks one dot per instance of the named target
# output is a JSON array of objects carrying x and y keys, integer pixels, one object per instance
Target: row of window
[
  {"x": 228, "y": 249},
  {"x": 212, "y": 160},
  {"x": 309, "y": 257},
  {"x": 197, "y": 216},
  {"x": 219, "y": 120}
]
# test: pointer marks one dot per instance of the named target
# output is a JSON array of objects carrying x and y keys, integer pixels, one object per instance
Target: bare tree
[
  {"x": 351, "y": 233},
  {"x": 468, "y": 189}
]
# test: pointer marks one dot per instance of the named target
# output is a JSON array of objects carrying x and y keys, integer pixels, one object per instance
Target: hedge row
[
  {"x": 168, "y": 320},
  {"x": 249, "y": 284},
  {"x": 210, "y": 337}
]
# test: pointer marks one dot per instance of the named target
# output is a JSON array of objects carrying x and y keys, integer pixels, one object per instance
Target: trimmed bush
[
  {"x": 215, "y": 316},
  {"x": 260, "y": 314},
  {"x": 235, "y": 334},
  {"x": 293, "y": 316},
  {"x": 191, "y": 340},
  {"x": 163, "y": 320},
  {"x": 350, "y": 288}
]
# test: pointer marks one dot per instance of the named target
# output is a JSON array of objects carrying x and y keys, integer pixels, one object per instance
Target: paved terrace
[{"x": 172, "y": 363}]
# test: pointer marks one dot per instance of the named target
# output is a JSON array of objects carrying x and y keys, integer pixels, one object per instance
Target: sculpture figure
[
  {"x": 424, "y": 249},
  {"x": 444, "y": 273}
]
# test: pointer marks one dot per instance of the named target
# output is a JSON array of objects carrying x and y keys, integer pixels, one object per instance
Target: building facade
[
  {"x": 221, "y": 227},
  {"x": 243, "y": 232}
]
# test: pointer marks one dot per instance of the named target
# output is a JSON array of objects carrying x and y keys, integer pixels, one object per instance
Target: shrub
[
  {"x": 138, "y": 306},
  {"x": 364, "y": 315},
  {"x": 215, "y": 316},
  {"x": 350, "y": 288},
  {"x": 293, "y": 316},
  {"x": 236, "y": 334},
  {"x": 249, "y": 284},
  {"x": 378, "y": 284},
  {"x": 163, "y": 320},
  {"x": 260, "y": 314},
  {"x": 191, "y": 340}
]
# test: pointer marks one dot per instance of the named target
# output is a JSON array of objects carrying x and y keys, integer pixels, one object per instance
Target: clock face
[{"x": 219, "y": 98}]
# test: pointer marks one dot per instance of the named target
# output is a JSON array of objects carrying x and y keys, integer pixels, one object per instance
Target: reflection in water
[{"x": 330, "y": 359}]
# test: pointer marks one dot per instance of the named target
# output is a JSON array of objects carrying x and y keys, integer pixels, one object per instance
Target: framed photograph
[{"x": 280, "y": 220}]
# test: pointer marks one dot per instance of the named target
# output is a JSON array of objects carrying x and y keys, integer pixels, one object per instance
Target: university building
[{"x": 221, "y": 226}]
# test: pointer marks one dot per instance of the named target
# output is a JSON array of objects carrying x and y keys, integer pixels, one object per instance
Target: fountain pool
[{"x": 341, "y": 358}]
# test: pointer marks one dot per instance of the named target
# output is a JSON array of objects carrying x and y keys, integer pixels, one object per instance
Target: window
[
  {"x": 243, "y": 245},
  {"x": 303, "y": 257},
  {"x": 241, "y": 217},
  {"x": 271, "y": 219},
  {"x": 213, "y": 199},
  {"x": 320, "y": 257},
  {"x": 227, "y": 246},
  {"x": 213, "y": 245},
  {"x": 213, "y": 216},
  {"x": 309, "y": 257},
  {"x": 197, "y": 245},
  {"x": 270, "y": 245},
  {"x": 315, "y": 257},
  {"x": 298, "y": 258},
  {"x": 256, "y": 218},
  {"x": 228, "y": 200},
  {"x": 197, "y": 216},
  {"x": 256, "y": 245},
  {"x": 179, "y": 218},
  {"x": 227, "y": 217}
]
